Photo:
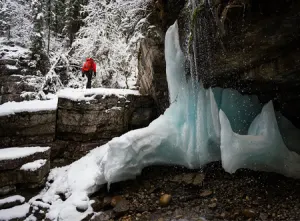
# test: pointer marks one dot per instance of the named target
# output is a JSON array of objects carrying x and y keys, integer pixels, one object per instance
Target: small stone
[
  {"x": 206, "y": 193},
  {"x": 126, "y": 218},
  {"x": 121, "y": 207},
  {"x": 115, "y": 200},
  {"x": 101, "y": 217},
  {"x": 138, "y": 215},
  {"x": 107, "y": 201},
  {"x": 160, "y": 219},
  {"x": 263, "y": 216},
  {"x": 97, "y": 205},
  {"x": 199, "y": 178},
  {"x": 188, "y": 178},
  {"x": 249, "y": 213},
  {"x": 165, "y": 199},
  {"x": 212, "y": 205}
]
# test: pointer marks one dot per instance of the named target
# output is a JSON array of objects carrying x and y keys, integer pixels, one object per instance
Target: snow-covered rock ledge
[
  {"x": 27, "y": 122},
  {"x": 101, "y": 114},
  {"x": 75, "y": 121}
]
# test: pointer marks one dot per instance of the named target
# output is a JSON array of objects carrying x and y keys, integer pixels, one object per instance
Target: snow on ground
[
  {"x": 17, "y": 212},
  {"x": 13, "y": 107},
  {"x": 90, "y": 94},
  {"x": 20, "y": 152},
  {"x": 12, "y": 199},
  {"x": 33, "y": 166}
]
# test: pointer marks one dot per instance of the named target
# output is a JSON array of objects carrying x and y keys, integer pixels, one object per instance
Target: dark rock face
[
  {"x": 27, "y": 128},
  {"x": 252, "y": 46},
  {"x": 152, "y": 66},
  {"x": 102, "y": 119}
]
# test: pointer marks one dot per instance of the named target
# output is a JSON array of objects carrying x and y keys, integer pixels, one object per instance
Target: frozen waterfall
[{"x": 199, "y": 127}]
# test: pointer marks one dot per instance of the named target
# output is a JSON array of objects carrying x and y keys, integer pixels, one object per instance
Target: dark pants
[{"x": 89, "y": 75}]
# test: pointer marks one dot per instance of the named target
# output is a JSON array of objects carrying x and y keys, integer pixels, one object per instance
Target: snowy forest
[{"x": 62, "y": 34}]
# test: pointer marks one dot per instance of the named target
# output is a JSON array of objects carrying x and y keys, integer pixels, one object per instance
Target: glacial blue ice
[
  {"x": 261, "y": 149},
  {"x": 200, "y": 126}
]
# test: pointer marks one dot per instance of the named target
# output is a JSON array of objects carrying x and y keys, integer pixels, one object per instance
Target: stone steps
[
  {"x": 13, "y": 208},
  {"x": 28, "y": 166}
]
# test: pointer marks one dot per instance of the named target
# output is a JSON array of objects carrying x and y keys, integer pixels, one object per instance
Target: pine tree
[
  {"x": 37, "y": 38},
  {"x": 37, "y": 41},
  {"x": 5, "y": 19},
  {"x": 58, "y": 20},
  {"x": 73, "y": 19}
]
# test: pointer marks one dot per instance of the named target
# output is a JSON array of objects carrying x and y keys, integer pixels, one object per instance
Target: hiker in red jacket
[{"x": 89, "y": 69}]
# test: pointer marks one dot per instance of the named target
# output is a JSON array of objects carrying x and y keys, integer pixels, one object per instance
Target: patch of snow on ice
[
  {"x": 33, "y": 166},
  {"x": 13, "y": 107},
  {"x": 17, "y": 212},
  {"x": 20, "y": 152},
  {"x": 90, "y": 94},
  {"x": 12, "y": 199}
]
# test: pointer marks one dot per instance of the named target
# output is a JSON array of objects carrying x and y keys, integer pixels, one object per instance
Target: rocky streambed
[{"x": 175, "y": 193}]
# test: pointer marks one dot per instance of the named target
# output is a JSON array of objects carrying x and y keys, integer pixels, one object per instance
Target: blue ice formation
[{"x": 192, "y": 133}]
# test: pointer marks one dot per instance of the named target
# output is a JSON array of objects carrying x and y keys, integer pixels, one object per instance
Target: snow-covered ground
[{"x": 17, "y": 212}]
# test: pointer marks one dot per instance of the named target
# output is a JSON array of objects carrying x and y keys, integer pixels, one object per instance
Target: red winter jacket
[{"x": 89, "y": 65}]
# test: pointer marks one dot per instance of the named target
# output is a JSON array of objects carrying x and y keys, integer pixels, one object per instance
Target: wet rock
[
  {"x": 97, "y": 205},
  {"x": 199, "y": 178},
  {"x": 121, "y": 208},
  {"x": 107, "y": 201},
  {"x": 249, "y": 213},
  {"x": 115, "y": 200},
  {"x": 165, "y": 200},
  {"x": 101, "y": 217},
  {"x": 188, "y": 178},
  {"x": 206, "y": 193},
  {"x": 263, "y": 216},
  {"x": 212, "y": 205},
  {"x": 126, "y": 218}
]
